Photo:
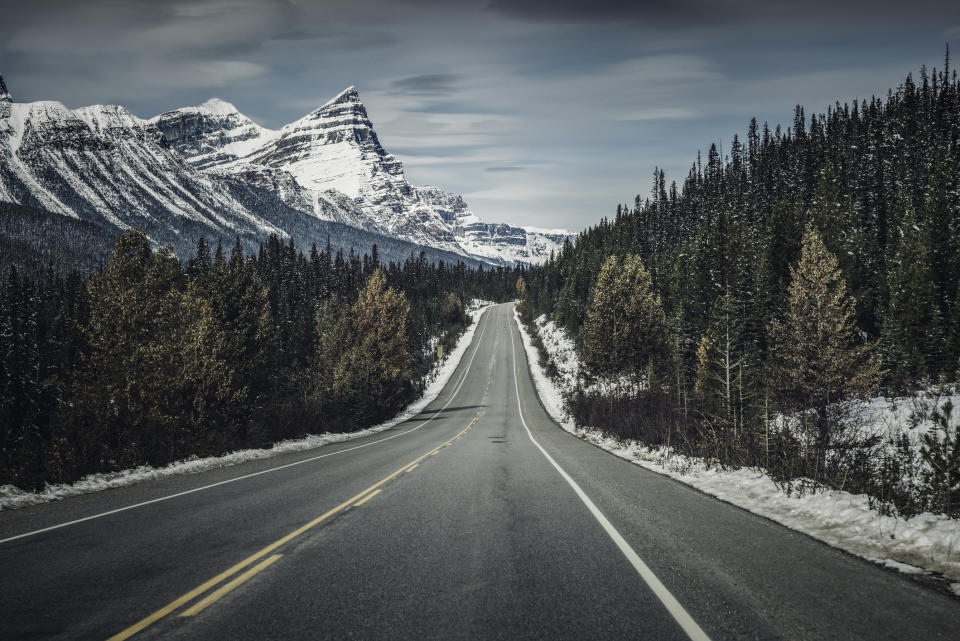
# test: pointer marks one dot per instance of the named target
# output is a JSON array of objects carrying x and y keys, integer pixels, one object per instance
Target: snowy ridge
[
  {"x": 210, "y": 171},
  {"x": 11, "y": 497},
  {"x": 924, "y": 544},
  {"x": 345, "y": 175},
  {"x": 212, "y": 133},
  {"x": 102, "y": 163}
]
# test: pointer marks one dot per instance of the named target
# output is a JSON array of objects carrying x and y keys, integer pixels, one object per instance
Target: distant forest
[
  {"x": 809, "y": 267},
  {"x": 33, "y": 238},
  {"x": 152, "y": 359}
]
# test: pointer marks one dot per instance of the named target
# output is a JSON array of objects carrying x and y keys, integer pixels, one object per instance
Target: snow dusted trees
[
  {"x": 820, "y": 359},
  {"x": 878, "y": 182},
  {"x": 912, "y": 336},
  {"x": 625, "y": 333}
]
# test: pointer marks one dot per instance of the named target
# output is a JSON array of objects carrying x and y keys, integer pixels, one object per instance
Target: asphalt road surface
[{"x": 478, "y": 519}]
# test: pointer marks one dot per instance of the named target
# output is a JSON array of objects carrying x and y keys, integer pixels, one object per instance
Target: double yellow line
[{"x": 253, "y": 558}]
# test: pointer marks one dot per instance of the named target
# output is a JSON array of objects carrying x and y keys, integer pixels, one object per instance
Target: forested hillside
[
  {"x": 808, "y": 267},
  {"x": 34, "y": 239},
  {"x": 151, "y": 360}
]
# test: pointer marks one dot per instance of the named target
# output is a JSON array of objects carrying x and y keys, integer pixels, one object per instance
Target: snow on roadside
[
  {"x": 12, "y": 497},
  {"x": 479, "y": 303},
  {"x": 927, "y": 543},
  {"x": 550, "y": 395}
]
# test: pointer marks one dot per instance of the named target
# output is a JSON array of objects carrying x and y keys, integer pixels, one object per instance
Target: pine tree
[
  {"x": 820, "y": 359},
  {"x": 625, "y": 333},
  {"x": 362, "y": 366},
  {"x": 940, "y": 449}
]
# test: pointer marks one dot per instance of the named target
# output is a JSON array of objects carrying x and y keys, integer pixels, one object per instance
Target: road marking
[
  {"x": 368, "y": 497},
  {"x": 414, "y": 466},
  {"x": 680, "y": 615},
  {"x": 192, "y": 594},
  {"x": 267, "y": 471},
  {"x": 218, "y": 594}
]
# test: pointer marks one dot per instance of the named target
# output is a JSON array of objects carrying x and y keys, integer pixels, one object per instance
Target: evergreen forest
[
  {"x": 741, "y": 315},
  {"x": 152, "y": 359}
]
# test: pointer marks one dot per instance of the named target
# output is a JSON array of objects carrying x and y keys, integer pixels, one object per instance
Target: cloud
[
  {"x": 661, "y": 113},
  {"x": 697, "y": 14},
  {"x": 649, "y": 11},
  {"x": 433, "y": 84},
  {"x": 217, "y": 73},
  {"x": 505, "y": 168}
]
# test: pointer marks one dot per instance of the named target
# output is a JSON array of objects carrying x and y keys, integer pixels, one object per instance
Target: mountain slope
[{"x": 105, "y": 166}]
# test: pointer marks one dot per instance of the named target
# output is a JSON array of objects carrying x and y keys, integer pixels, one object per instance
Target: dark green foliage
[
  {"x": 734, "y": 226},
  {"x": 879, "y": 182},
  {"x": 625, "y": 331},
  {"x": 152, "y": 360},
  {"x": 941, "y": 452}
]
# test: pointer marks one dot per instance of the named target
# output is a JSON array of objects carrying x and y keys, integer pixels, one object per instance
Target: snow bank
[
  {"x": 927, "y": 543},
  {"x": 923, "y": 544},
  {"x": 550, "y": 395},
  {"x": 12, "y": 497},
  {"x": 479, "y": 303}
]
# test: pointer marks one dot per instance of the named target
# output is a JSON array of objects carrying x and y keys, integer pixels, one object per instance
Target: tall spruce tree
[
  {"x": 374, "y": 371},
  {"x": 625, "y": 333},
  {"x": 821, "y": 361}
]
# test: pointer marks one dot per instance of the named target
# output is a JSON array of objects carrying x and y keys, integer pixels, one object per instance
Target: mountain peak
[
  {"x": 346, "y": 96},
  {"x": 218, "y": 107},
  {"x": 4, "y": 94}
]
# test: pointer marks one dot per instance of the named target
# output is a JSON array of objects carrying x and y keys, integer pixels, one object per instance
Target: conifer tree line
[
  {"x": 153, "y": 359},
  {"x": 808, "y": 267}
]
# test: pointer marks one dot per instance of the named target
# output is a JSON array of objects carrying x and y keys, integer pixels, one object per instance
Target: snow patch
[
  {"x": 218, "y": 107},
  {"x": 550, "y": 395}
]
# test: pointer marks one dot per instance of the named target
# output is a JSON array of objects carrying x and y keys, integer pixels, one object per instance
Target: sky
[{"x": 540, "y": 112}]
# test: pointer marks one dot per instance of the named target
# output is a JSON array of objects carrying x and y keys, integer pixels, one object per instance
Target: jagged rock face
[
  {"x": 5, "y": 100},
  {"x": 211, "y": 135},
  {"x": 336, "y": 148},
  {"x": 509, "y": 243}
]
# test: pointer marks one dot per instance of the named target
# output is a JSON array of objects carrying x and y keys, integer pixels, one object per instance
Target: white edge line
[
  {"x": 677, "y": 611},
  {"x": 463, "y": 378}
]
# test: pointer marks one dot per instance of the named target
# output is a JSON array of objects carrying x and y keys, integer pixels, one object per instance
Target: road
[{"x": 478, "y": 519}]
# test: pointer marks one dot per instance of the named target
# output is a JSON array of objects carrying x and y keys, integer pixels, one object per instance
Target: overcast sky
[{"x": 546, "y": 112}]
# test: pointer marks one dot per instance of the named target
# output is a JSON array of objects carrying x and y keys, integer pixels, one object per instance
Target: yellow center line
[
  {"x": 413, "y": 467},
  {"x": 367, "y": 498},
  {"x": 197, "y": 591},
  {"x": 216, "y": 595}
]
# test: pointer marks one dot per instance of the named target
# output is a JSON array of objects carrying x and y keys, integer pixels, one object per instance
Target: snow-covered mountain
[
  {"x": 210, "y": 171},
  {"x": 331, "y": 163}
]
